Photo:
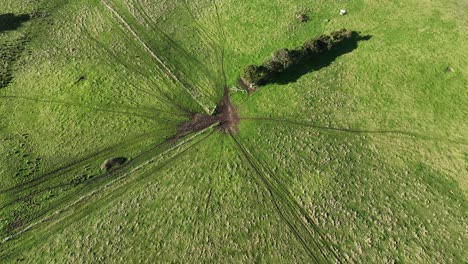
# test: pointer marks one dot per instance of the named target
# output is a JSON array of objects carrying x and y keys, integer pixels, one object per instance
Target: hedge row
[{"x": 283, "y": 59}]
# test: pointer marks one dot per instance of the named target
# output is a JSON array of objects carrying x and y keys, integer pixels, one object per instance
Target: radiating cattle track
[
  {"x": 102, "y": 182},
  {"x": 118, "y": 175},
  {"x": 398, "y": 133},
  {"x": 205, "y": 41},
  {"x": 160, "y": 62},
  {"x": 22, "y": 192},
  {"x": 157, "y": 31},
  {"x": 136, "y": 113},
  {"x": 24, "y": 186},
  {"x": 199, "y": 27},
  {"x": 297, "y": 218},
  {"x": 134, "y": 68},
  {"x": 157, "y": 93},
  {"x": 189, "y": 59}
]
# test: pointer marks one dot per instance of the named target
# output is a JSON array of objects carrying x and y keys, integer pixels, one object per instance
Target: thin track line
[
  {"x": 145, "y": 46},
  {"x": 353, "y": 131},
  {"x": 289, "y": 210},
  {"x": 109, "y": 184}
]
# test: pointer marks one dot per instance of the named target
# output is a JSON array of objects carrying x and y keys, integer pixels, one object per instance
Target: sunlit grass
[{"x": 363, "y": 160}]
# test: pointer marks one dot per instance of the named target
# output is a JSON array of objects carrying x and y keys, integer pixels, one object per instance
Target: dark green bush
[
  {"x": 273, "y": 66},
  {"x": 256, "y": 75},
  {"x": 284, "y": 59},
  {"x": 340, "y": 35},
  {"x": 318, "y": 45}
]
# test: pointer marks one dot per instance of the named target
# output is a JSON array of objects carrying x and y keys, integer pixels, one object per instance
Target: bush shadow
[
  {"x": 11, "y": 21},
  {"x": 318, "y": 62}
]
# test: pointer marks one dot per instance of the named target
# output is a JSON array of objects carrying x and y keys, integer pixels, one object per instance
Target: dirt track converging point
[{"x": 225, "y": 116}]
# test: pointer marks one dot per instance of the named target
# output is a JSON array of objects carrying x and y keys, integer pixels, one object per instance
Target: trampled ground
[{"x": 361, "y": 158}]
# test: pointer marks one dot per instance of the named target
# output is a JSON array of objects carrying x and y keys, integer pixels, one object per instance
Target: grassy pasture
[{"x": 364, "y": 160}]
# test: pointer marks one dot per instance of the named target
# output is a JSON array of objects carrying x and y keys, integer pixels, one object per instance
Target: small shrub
[
  {"x": 256, "y": 75},
  {"x": 342, "y": 34},
  {"x": 311, "y": 46},
  {"x": 318, "y": 45},
  {"x": 273, "y": 66},
  {"x": 283, "y": 59}
]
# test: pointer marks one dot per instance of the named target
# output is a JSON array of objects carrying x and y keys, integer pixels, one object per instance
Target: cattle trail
[
  {"x": 296, "y": 217},
  {"x": 399, "y": 133},
  {"x": 120, "y": 178},
  {"x": 150, "y": 52}
]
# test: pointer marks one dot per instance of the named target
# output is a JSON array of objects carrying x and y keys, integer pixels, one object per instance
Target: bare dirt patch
[
  {"x": 250, "y": 88},
  {"x": 225, "y": 116}
]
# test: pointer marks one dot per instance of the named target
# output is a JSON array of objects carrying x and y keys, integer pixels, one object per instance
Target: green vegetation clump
[
  {"x": 256, "y": 75},
  {"x": 283, "y": 59},
  {"x": 318, "y": 45}
]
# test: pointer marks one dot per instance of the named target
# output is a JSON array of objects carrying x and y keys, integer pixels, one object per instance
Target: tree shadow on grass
[
  {"x": 318, "y": 62},
  {"x": 9, "y": 52},
  {"x": 11, "y": 21}
]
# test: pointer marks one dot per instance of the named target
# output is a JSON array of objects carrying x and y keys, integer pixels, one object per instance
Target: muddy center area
[{"x": 225, "y": 116}]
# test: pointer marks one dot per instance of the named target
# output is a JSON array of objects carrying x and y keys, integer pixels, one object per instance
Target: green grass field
[{"x": 362, "y": 160}]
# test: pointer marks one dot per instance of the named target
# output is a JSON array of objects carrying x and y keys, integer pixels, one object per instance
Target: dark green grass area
[
  {"x": 10, "y": 48},
  {"x": 9, "y": 53},
  {"x": 11, "y": 21},
  {"x": 357, "y": 157}
]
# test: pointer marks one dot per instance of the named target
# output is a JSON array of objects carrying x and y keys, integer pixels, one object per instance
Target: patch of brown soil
[
  {"x": 225, "y": 116},
  {"x": 110, "y": 163},
  {"x": 246, "y": 85}
]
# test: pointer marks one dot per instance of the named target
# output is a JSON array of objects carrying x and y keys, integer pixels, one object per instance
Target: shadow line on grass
[
  {"x": 319, "y": 61},
  {"x": 354, "y": 131},
  {"x": 9, "y": 21}
]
